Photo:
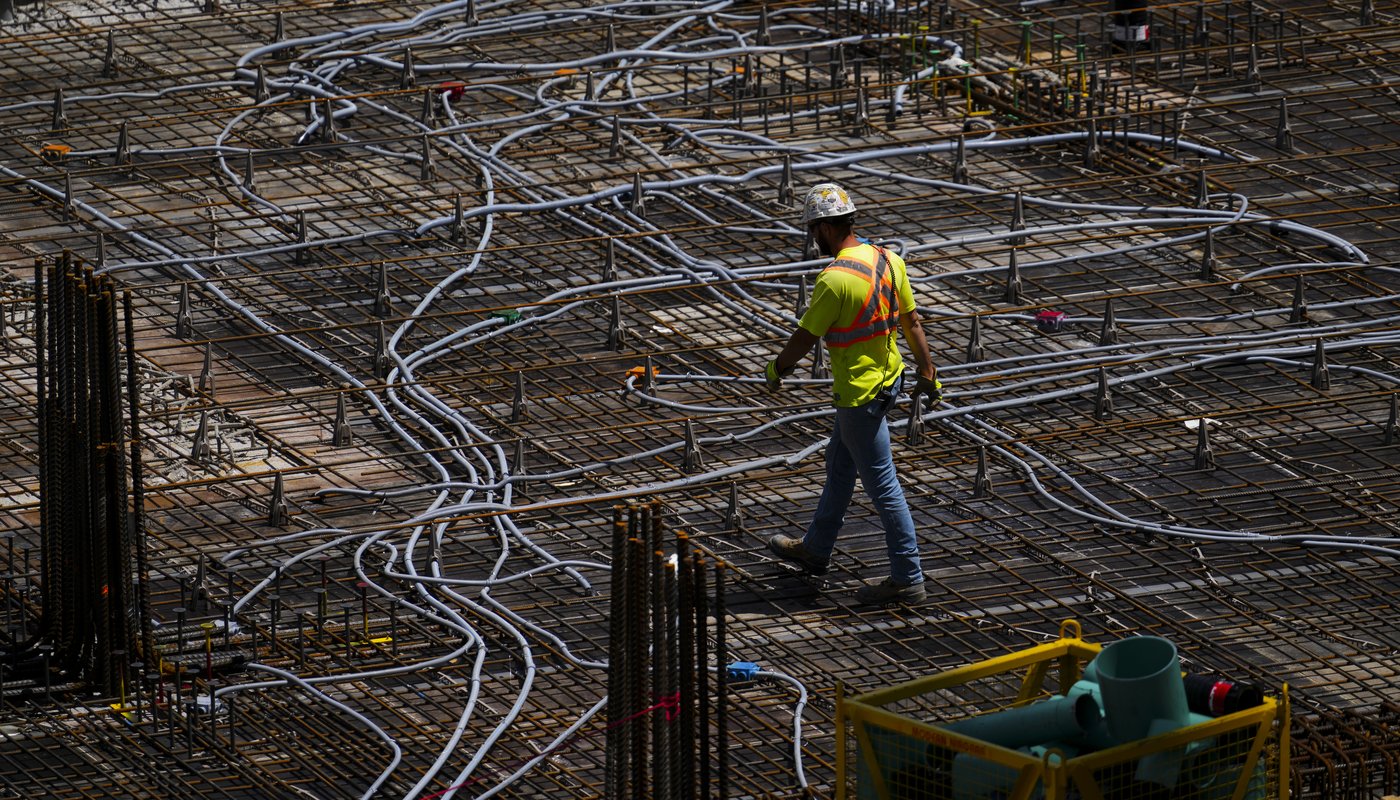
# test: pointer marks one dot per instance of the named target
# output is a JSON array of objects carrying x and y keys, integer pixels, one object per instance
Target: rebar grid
[{"x": 281, "y": 250}]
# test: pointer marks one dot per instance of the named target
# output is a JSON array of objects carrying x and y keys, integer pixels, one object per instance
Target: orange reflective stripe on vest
[
  {"x": 852, "y": 266},
  {"x": 872, "y": 321}
]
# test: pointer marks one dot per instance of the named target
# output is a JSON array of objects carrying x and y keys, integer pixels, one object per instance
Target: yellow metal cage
[{"x": 893, "y": 743}]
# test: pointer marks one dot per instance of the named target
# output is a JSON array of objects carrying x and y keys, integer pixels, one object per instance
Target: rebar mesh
[{"x": 248, "y": 231}]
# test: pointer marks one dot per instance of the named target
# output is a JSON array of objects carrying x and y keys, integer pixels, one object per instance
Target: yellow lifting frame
[{"x": 1066, "y": 653}]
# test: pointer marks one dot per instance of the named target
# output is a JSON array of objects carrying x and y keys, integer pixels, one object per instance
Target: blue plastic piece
[{"x": 743, "y": 671}]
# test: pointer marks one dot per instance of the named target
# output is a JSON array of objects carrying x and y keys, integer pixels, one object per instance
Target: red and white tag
[{"x": 1131, "y": 33}]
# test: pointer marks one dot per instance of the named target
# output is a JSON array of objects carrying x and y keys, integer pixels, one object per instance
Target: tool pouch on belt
[{"x": 885, "y": 399}]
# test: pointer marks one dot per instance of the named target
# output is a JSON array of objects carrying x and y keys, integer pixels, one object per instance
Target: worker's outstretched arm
[
  {"x": 798, "y": 345},
  {"x": 914, "y": 335}
]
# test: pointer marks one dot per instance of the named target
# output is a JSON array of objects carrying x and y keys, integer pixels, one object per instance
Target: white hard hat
[{"x": 826, "y": 200}]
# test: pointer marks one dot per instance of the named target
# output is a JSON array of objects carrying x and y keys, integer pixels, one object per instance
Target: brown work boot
[
  {"x": 888, "y": 592},
  {"x": 790, "y": 549}
]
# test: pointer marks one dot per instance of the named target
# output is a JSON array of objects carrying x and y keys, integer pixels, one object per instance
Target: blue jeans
[{"x": 860, "y": 445}]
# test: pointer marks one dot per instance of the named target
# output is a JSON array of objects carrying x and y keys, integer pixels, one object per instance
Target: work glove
[
  {"x": 773, "y": 377},
  {"x": 931, "y": 389}
]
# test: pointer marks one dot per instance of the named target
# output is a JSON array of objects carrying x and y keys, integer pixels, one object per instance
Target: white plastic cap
[{"x": 826, "y": 200}]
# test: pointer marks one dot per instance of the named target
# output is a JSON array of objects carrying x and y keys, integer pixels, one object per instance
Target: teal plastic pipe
[
  {"x": 1054, "y": 719},
  {"x": 1143, "y": 695},
  {"x": 1140, "y": 685}
]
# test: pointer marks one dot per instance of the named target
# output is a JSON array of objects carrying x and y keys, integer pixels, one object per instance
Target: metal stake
[
  {"x": 1108, "y": 333},
  {"x": 694, "y": 459},
  {"x": 1205, "y": 457},
  {"x": 517, "y": 403},
  {"x": 974, "y": 351},
  {"x": 277, "y": 503},
  {"x": 1207, "y": 270},
  {"x": 1299, "y": 312},
  {"x": 122, "y": 153},
  {"x": 383, "y": 300},
  {"x": 1283, "y": 133},
  {"x": 340, "y": 428},
  {"x": 734, "y": 515},
  {"x": 1103, "y": 397},
  {"x": 1018, "y": 219},
  {"x": 408, "y": 79},
  {"x": 638, "y": 205},
  {"x": 982, "y": 482},
  {"x": 109, "y": 60},
  {"x": 1320, "y": 378},
  {"x": 1011, "y": 291}
]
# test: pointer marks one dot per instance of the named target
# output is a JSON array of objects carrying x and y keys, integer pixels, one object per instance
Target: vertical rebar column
[
  {"x": 42, "y": 404},
  {"x": 685, "y": 632},
  {"x": 633, "y": 660},
  {"x": 97, "y": 658},
  {"x": 669, "y": 721},
  {"x": 640, "y": 679},
  {"x": 56, "y": 395},
  {"x": 660, "y": 746},
  {"x": 636, "y": 657},
  {"x": 722, "y": 678},
  {"x": 79, "y": 493},
  {"x": 117, "y": 577},
  {"x": 133, "y": 392},
  {"x": 702, "y": 666},
  {"x": 616, "y": 770}
]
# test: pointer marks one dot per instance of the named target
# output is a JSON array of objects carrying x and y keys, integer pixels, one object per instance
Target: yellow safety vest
[
  {"x": 877, "y": 317},
  {"x": 855, "y": 310}
]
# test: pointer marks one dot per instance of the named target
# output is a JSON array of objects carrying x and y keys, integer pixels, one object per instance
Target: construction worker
[{"x": 854, "y": 307}]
